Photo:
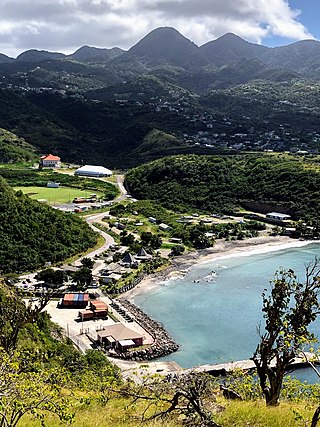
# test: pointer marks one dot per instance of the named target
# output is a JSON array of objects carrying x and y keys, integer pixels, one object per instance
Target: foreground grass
[
  {"x": 256, "y": 414},
  {"x": 119, "y": 413}
]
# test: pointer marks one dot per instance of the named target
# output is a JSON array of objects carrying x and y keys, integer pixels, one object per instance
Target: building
[
  {"x": 75, "y": 301},
  {"x": 119, "y": 336},
  {"x": 164, "y": 227},
  {"x": 51, "y": 184},
  {"x": 278, "y": 216},
  {"x": 142, "y": 255},
  {"x": 98, "y": 309},
  {"x": 129, "y": 261},
  {"x": 93, "y": 171},
  {"x": 50, "y": 161}
]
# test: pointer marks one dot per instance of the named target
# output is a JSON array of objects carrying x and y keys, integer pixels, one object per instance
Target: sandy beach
[{"x": 221, "y": 250}]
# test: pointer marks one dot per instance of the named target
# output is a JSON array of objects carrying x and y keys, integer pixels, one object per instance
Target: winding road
[
  {"x": 108, "y": 240},
  {"x": 98, "y": 217}
]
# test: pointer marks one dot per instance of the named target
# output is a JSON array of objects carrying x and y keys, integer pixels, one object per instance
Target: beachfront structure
[
  {"x": 93, "y": 171},
  {"x": 50, "y": 161},
  {"x": 119, "y": 336},
  {"x": 278, "y": 216},
  {"x": 129, "y": 261},
  {"x": 142, "y": 255}
]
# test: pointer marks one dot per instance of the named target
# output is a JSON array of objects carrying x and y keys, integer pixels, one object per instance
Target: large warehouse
[{"x": 94, "y": 171}]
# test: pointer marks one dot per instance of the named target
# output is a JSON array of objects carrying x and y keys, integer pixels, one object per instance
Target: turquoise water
[{"x": 213, "y": 311}]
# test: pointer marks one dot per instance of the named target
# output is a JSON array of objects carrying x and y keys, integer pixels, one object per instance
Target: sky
[{"x": 66, "y": 25}]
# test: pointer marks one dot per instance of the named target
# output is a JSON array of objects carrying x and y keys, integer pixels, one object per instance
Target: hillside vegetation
[
  {"x": 32, "y": 234},
  {"x": 14, "y": 149},
  {"x": 108, "y": 134},
  {"x": 223, "y": 184}
]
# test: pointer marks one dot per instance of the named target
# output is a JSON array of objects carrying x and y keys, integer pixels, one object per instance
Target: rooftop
[{"x": 119, "y": 331}]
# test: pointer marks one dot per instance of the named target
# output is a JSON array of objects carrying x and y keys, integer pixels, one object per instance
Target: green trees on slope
[
  {"x": 221, "y": 184},
  {"x": 32, "y": 234}
]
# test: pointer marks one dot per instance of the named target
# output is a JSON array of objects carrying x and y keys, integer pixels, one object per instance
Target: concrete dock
[{"x": 248, "y": 365}]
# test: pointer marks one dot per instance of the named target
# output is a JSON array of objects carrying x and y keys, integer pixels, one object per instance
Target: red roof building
[{"x": 50, "y": 161}]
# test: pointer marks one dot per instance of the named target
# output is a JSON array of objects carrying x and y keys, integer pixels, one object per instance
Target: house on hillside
[
  {"x": 120, "y": 337},
  {"x": 50, "y": 161}
]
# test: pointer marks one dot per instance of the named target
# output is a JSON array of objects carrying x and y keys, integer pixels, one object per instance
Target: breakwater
[{"x": 163, "y": 344}]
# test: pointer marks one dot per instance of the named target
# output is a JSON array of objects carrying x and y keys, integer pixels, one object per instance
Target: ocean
[{"x": 214, "y": 310}]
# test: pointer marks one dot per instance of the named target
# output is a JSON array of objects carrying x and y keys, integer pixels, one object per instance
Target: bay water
[{"x": 213, "y": 312}]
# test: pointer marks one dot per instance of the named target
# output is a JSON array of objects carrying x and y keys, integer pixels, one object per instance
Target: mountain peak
[
  {"x": 230, "y": 48},
  {"x": 4, "y": 59},
  {"x": 95, "y": 54},
  {"x": 34, "y": 55},
  {"x": 166, "y": 44}
]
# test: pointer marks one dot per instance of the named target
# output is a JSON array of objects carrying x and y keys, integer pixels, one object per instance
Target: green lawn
[{"x": 55, "y": 195}]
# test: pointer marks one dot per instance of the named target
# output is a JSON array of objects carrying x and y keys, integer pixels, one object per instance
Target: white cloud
[{"x": 65, "y": 25}]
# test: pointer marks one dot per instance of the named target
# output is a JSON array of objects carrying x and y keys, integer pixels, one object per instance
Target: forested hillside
[
  {"x": 80, "y": 131},
  {"x": 32, "y": 234},
  {"x": 14, "y": 149},
  {"x": 222, "y": 184}
]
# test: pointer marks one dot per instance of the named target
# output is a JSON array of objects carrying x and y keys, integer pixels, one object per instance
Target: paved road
[
  {"x": 107, "y": 238},
  {"x": 123, "y": 191}
]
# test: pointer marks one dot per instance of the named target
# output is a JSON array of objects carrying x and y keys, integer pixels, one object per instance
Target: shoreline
[{"x": 221, "y": 250}]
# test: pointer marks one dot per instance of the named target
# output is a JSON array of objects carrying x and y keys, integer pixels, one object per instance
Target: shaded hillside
[
  {"x": 292, "y": 102},
  {"x": 231, "y": 48},
  {"x": 95, "y": 54},
  {"x": 15, "y": 149},
  {"x": 5, "y": 59},
  {"x": 32, "y": 234},
  {"x": 222, "y": 184},
  {"x": 302, "y": 56},
  {"x": 34, "y": 55},
  {"x": 80, "y": 131},
  {"x": 143, "y": 88}
]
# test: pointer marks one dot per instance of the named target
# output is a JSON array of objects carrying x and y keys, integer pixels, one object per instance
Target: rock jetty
[{"x": 163, "y": 344}]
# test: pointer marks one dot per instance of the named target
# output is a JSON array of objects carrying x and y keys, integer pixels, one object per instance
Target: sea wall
[{"x": 163, "y": 344}]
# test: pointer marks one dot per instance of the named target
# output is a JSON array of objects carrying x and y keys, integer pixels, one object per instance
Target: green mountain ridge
[{"x": 223, "y": 184}]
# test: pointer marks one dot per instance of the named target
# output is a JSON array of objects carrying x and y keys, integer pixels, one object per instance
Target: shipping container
[
  {"x": 101, "y": 313},
  {"x": 86, "y": 314}
]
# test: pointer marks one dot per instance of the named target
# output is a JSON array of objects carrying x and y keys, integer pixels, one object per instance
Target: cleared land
[{"x": 55, "y": 195}]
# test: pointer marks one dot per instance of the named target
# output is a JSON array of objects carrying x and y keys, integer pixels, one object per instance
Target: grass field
[
  {"x": 55, "y": 195},
  {"x": 119, "y": 413}
]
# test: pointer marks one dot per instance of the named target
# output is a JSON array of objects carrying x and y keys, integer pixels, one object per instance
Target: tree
[
  {"x": 82, "y": 277},
  {"x": 189, "y": 396},
  {"x": 150, "y": 240},
  {"x": 288, "y": 312},
  {"x": 177, "y": 250},
  {"x": 51, "y": 278},
  {"x": 15, "y": 314},
  {"x": 87, "y": 262},
  {"x": 34, "y": 392},
  {"x": 126, "y": 238}
]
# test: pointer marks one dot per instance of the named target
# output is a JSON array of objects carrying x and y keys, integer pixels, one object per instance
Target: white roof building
[
  {"x": 278, "y": 216},
  {"x": 94, "y": 171}
]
